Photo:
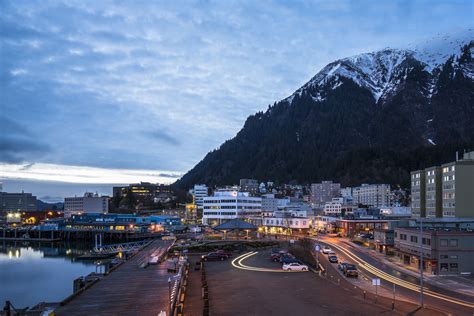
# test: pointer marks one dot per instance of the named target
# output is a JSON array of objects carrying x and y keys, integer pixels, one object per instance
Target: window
[
  {"x": 443, "y": 242},
  {"x": 453, "y": 257},
  {"x": 414, "y": 239},
  {"x": 453, "y": 266},
  {"x": 443, "y": 256},
  {"x": 443, "y": 267},
  {"x": 453, "y": 243},
  {"x": 426, "y": 241}
]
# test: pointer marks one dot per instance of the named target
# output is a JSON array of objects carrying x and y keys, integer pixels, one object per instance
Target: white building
[
  {"x": 200, "y": 191},
  {"x": 226, "y": 205},
  {"x": 326, "y": 223},
  {"x": 269, "y": 204},
  {"x": 323, "y": 192},
  {"x": 372, "y": 195},
  {"x": 89, "y": 203},
  {"x": 334, "y": 208},
  {"x": 281, "y": 224}
]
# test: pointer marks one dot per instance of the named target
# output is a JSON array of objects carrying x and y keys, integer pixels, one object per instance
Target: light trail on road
[
  {"x": 240, "y": 265},
  {"x": 388, "y": 277}
]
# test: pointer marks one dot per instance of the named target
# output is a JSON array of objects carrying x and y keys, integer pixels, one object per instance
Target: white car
[
  {"x": 326, "y": 250},
  {"x": 295, "y": 266}
]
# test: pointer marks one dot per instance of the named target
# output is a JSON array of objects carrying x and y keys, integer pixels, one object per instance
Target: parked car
[
  {"x": 295, "y": 266},
  {"x": 227, "y": 253},
  {"x": 275, "y": 257},
  {"x": 341, "y": 265},
  {"x": 332, "y": 259},
  {"x": 350, "y": 270},
  {"x": 288, "y": 259},
  {"x": 214, "y": 256},
  {"x": 326, "y": 249}
]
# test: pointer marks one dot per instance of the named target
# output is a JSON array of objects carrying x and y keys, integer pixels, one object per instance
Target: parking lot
[{"x": 236, "y": 291}]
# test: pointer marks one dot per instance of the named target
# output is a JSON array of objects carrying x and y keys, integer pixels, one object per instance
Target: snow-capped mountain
[
  {"x": 372, "y": 117},
  {"x": 381, "y": 72}
]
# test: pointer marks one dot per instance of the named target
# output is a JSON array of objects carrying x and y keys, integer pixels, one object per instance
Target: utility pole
[{"x": 421, "y": 261}]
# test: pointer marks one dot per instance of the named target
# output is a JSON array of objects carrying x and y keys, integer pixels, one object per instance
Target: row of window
[
  {"x": 219, "y": 213},
  {"x": 446, "y": 169},
  {"x": 232, "y": 207}
]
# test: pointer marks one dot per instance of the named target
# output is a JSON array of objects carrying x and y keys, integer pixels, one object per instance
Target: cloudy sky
[{"x": 100, "y": 92}]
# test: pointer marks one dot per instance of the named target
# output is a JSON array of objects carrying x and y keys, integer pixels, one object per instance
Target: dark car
[
  {"x": 333, "y": 259},
  {"x": 223, "y": 252},
  {"x": 350, "y": 270},
  {"x": 275, "y": 257},
  {"x": 214, "y": 256},
  {"x": 341, "y": 265},
  {"x": 288, "y": 259}
]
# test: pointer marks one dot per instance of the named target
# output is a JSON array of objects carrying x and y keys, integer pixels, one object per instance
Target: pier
[{"x": 134, "y": 288}]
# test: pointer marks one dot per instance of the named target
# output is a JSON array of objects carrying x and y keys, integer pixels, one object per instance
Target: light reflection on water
[{"x": 30, "y": 274}]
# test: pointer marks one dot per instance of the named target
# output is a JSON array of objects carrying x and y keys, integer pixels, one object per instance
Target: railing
[{"x": 124, "y": 247}]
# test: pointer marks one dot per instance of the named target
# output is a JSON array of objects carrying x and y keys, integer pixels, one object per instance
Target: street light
[{"x": 421, "y": 261}]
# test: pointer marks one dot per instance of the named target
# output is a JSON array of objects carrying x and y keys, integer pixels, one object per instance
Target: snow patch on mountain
[{"x": 381, "y": 72}]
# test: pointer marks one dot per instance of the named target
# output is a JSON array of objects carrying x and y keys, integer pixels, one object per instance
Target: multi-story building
[
  {"x": 458, "y": 187},
  {"x": 226, "y": 205},
  {"x": 89, "y": 203},
  {"x": 418, "y": 193},
  {"x": 200, "y": 191},
  {"x": 249, "y": 185},
  {"x": 18, "y": 202},
  {"x": 333, "y": 208},
  {"x": 269, "y": 204},
  {"x": 324, "y": 192},
  {"x": 285, "y": 224},
  {"x": 144, "y": 193},
  {"x": 444, "y": 251},
  {"x": 15, "y": 203},
  {"x": 372, "y": 195},
  {"x": 445, "y": 191},
  {"x": 433, "y": 192}
]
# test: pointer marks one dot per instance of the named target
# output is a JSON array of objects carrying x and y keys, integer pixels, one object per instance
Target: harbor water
[{"x": 31, "y": 273}]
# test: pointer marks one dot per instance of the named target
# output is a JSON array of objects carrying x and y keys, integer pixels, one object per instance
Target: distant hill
[
  {"x": 44, "y": 206},
  {"x": 369, "y": 118}
]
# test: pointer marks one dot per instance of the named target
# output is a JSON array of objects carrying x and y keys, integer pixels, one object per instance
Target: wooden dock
[{"x": 129, "y": 290}]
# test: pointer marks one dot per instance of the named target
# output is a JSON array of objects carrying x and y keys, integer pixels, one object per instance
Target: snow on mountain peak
[{"x": 380, "y": 71}]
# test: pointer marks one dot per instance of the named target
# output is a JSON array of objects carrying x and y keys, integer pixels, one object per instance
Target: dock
[{"x": 131, "y": 289}]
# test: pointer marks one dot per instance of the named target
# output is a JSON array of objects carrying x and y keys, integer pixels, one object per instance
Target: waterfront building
[
  {"x": 372, "y": 195},
  {"x": 144, "y": 193},
  {"x": 227, "y": 205},
  {"x": 249, "y": 185},
  {"x": 285, "y": 224},
  {"x": 444, "y": 191},
  {"x": 324, "y": 192},
  {"x": 12, "y": 203},
  {"x": 444, "y": 251},
  {"x": 324, "y": 223},
  {"x": 89, "y": 203}
]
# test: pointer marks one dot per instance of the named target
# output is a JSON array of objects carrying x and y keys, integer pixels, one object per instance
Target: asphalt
[
  {"x": 437, "y": 304},
  {"x": 235, "y": 291}
]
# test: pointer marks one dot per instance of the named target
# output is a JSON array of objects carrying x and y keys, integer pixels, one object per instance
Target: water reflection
[{"x": 32, "y": 272}]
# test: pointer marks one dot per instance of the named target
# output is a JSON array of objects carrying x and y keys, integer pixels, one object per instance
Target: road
[
  {"x": 407, "y": 285},
  {"x": 251, "y": 284}
]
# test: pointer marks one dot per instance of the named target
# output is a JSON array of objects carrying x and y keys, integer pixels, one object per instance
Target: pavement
[
  {"x": 450, "y": 301},
  {"x": 248, "y": 286},
  {"x": 463, "y": 284}
]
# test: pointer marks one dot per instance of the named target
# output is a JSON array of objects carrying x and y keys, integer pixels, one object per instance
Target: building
[
  {"x": 142, "y": 194},
  {"x": 372, "y": 195},
  {"x": 346, "y": 194},
  {"x": 445, "y": 191},
  {"x": 227, "y": 205},
  {"x": 286, "y": 225},
  {"x": 324, "y": 192},
  {"x": 250, "y": 185},
  {"x": 12, "y": 203},
  {"x": 444, "y": 251},
  {"x": 324, "y": 223},
  {"x": 269, "y": 204},
  {"x": 200, "y": 191},
  {"x": 89, "y": 203}
]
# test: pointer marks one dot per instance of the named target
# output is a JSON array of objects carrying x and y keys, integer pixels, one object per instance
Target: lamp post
[{"x": 421, "y": 261}]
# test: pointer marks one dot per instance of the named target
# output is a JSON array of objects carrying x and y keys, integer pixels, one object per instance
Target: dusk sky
[{"x": 94, "y": 93}]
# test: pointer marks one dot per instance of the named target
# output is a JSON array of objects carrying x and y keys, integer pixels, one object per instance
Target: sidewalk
[
  {"x": 465, "y": 285},
  {"x": 193, "y": 300}
]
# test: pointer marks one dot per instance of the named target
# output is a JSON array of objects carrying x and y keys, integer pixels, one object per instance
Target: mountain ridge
[{"x": 385, "y": 112}]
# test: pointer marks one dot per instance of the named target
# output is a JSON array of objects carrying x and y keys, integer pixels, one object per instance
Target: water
[{"x": 40, "y": 272}]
